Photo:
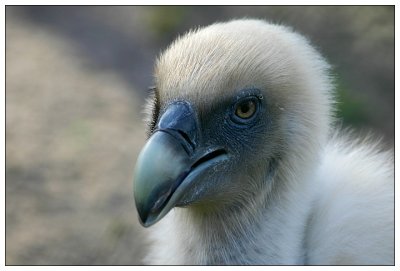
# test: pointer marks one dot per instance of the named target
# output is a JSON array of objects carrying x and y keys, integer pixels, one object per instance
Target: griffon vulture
[{"x": 242, "y": 165}]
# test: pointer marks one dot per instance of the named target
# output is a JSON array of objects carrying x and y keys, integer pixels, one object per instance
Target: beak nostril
[
  {"x": 180, "y": 121},
  {"x": 182, "y": 138},
  {"x": 187, "y": 139}
]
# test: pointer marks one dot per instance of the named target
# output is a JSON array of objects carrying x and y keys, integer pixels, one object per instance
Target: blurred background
[{"x": 76, "y": 81}]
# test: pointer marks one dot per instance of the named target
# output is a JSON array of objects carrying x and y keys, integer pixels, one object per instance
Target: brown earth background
[{"x": 76, "y": 80}]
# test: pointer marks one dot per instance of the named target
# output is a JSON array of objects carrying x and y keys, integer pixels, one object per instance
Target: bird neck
[{"x": 264, "y": 229}]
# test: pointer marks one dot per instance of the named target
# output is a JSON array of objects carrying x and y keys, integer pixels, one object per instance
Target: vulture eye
[{"x": 245, "y": 109}]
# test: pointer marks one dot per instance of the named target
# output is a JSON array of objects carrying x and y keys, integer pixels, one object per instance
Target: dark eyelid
[{"x": 247, "y": 92}]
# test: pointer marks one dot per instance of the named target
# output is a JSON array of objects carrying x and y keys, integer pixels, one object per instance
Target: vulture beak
[{"x": 170, "y": 162}]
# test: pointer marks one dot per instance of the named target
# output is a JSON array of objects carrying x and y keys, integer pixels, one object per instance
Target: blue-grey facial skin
[
  {"x": 243, "y": 142},
  {"x": 196, "y": 157}
]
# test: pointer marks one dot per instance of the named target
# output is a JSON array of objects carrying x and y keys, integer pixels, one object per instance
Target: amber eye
[{"x": 246, "y": 109}]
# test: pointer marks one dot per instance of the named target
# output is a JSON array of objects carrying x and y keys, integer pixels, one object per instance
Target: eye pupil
[{"x": 246, "y": 109}]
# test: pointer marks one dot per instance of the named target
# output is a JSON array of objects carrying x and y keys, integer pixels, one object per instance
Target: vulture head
[{"x": 238, "y": 108}]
